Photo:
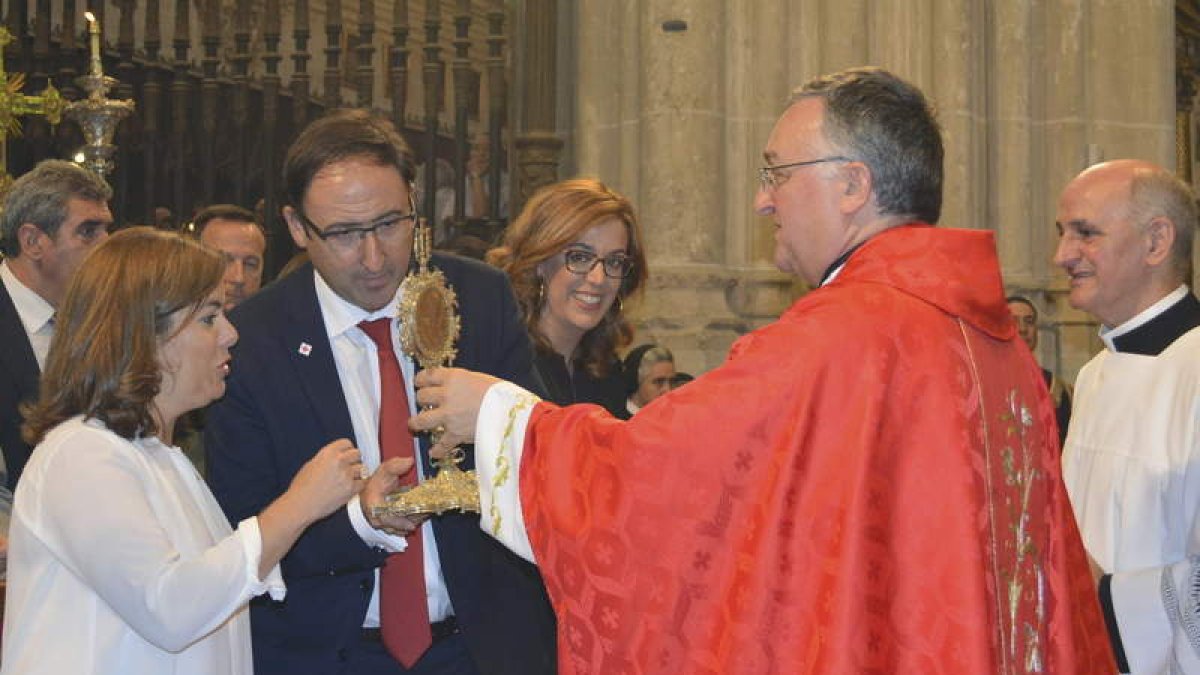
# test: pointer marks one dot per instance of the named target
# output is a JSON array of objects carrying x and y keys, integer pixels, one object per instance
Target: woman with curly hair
[
  {"x": 572, "y": 255},
  {"x": 120, "y": 559}
]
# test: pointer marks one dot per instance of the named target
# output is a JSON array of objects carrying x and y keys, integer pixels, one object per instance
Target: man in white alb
[{"x": 1132, "y": 457}]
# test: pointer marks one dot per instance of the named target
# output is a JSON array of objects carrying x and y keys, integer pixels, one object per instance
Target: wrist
[
  {"x": 366, "y": 512},
  {"x": 294, "y": 508}
]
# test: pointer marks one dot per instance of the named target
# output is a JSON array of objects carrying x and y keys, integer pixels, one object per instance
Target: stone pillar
[
  {"x": 538, "y": 145},
  {"x": 1185, "y": 99},
  {"x": 1028, "y": 95},
  {"x": 1117, "y": 100}
]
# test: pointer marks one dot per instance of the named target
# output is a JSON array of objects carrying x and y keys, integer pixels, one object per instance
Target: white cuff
[
  {"x": 499, "y": 443},
  {"x": 1181, "y": 598},
  {"x": 391, "y": 543},
  {"x": 1145, "y": 628},
  {"x": 251, "y": 538}
]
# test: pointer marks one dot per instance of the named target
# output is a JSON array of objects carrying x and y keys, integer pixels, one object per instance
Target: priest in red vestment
[{"x": 868, "y": 485}]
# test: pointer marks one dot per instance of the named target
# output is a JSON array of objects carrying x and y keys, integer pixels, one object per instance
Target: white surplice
[
  {"x": 1132, "y": 468},
  {"x": 121, "y": 562}
]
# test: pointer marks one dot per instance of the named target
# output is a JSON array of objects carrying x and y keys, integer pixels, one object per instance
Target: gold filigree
[
  {"x": 1021, "y": 473},
  {"x": 429, "y": 323},
  {"x": 429, "y": 328},
  {"x": 451, "y": 490},
  {"x": 503, "y": 466},
  {"x": 1016, "y": 562}
]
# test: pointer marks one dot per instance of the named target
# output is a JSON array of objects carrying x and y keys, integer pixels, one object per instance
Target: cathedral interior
[{"x": 670, "y": 103}]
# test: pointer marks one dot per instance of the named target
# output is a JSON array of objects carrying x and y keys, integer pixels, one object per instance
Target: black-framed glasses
[
  {"x": 770, "y": 177},
  {"x": 582, "y": 262},
  {"x": 386, "y": 228}
]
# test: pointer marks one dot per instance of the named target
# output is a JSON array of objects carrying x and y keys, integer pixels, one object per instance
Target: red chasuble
[{"x": 868, "y": 485}]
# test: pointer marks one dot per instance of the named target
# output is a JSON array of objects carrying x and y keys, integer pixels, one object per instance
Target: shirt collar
[
  {"x": 1122, "y": 337},
  {"x": 836, "y": 266},
  {"x": 33, "y": 309},
  {"x": 340, "y": 315}
]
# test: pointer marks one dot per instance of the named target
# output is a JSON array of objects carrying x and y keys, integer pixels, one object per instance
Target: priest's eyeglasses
[
  {"x": 386, "y": 228},
  {"x": 771, "y": 177},
  {"x": 582, "y": 262}
]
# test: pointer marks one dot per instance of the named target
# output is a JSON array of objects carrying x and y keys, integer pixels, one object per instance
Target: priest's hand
[
  {"x": 452, "y": 397},
  {"x": 383, "y": 482}
]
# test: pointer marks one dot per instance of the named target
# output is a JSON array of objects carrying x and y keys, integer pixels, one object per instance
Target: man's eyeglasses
[
  {"x": 581, "y": 262},
  {"x": 386, "y": 228},
  {"x": 771, "y": 177}
]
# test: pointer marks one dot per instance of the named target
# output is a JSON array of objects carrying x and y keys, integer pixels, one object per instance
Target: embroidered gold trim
[
  {"x": 1022, "y": 477},
  {"x": 987, "y": 477},
  {"x": 503, "y": 463}
]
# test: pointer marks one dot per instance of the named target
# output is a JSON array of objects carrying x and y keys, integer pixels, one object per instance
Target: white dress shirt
[
  {"x": 35, "y": 313},
  {"x": 121, "y": 561},
  {"x": 358, "y": 370}
]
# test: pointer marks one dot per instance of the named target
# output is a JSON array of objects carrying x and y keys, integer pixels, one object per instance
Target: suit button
[{"x": 365, "y": 586}]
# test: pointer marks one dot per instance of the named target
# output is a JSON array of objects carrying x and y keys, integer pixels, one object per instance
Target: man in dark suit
[
  {"x": 52, "y": 217},
  {"x": 311, "y": 367}
]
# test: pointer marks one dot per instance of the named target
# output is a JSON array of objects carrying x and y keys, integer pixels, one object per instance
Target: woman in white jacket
[{"x": 120, "y": 560}]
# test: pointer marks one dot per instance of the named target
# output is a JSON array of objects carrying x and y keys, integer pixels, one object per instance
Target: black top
[
  {"x": 1062, "y": 406},
  {"x": 565, "y": 388},
  {"x": 1152, "y": 337},
  {"x": 19, "y": 376}
]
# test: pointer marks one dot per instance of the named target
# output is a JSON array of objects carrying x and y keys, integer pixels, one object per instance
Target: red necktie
[{"x": 403, "y": 608}]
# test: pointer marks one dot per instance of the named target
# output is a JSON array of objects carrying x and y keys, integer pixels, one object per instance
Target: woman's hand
[{"x": 328, "y": 480}]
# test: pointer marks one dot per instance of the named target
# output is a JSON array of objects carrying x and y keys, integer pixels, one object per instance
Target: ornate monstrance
[{"x": 429, "y": 329}]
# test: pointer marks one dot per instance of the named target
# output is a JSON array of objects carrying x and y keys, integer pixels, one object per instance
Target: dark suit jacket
[
  {"x": 19, "y": 377},
  {"x": 281, "y": 406}
]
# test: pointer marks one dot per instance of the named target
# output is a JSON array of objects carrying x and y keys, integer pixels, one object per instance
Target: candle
[{"x": 97, "y": 69}]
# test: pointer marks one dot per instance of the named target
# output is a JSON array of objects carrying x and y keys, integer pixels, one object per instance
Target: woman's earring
[{"x": 541, "y": 292}]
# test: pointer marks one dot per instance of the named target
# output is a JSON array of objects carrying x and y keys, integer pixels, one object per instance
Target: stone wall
[{"x": 1029, "y": 93}]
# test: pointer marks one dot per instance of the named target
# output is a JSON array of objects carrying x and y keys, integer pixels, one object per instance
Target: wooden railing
[{"x": 223, "y": 86}]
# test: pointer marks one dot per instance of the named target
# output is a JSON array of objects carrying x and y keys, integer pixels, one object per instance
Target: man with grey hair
[
  {"x": 1132, "y": 456},
  {"x": 648, "y": 371},
  {"x": 51, "y": 218},
  {"x": 868, "y": 484}
]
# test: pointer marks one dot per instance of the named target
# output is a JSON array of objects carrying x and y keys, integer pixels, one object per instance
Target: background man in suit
[
  {"x": 234, "y": 232},
  {"x": 51, "y": 218},
  {"x": 316, "y": 362},
  {"x": 237, "y": 234}
]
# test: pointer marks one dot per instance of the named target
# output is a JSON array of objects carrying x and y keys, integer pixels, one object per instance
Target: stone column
[
  {"x": 538, "y": 145},
  {"x": 1116, "y": 100},
  {"x": 1028, "y": 94}
]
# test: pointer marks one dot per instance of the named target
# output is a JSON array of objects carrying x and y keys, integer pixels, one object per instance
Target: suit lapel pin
[{"x": 305, "y": 349}]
